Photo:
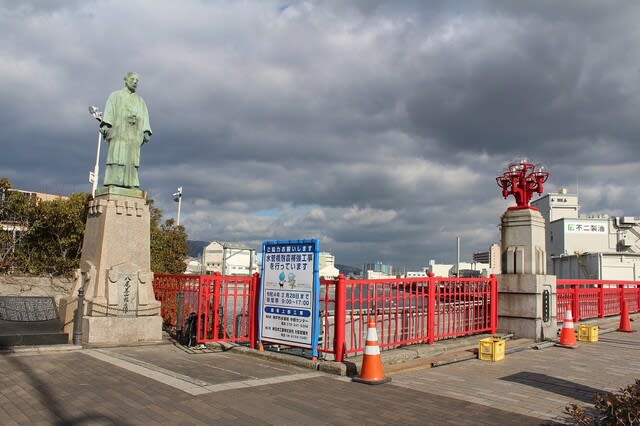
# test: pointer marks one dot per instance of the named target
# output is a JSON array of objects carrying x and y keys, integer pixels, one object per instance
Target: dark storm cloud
[
  {"x": 517, "y": 88},
  {"x": 376, "y": 126}
]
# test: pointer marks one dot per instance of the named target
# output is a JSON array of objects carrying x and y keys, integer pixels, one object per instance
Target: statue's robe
[{"x": 127, "y": 114}]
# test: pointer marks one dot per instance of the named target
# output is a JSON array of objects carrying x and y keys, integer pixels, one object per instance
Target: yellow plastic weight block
[
  {"x": 491, "y": 349},
  {"x": 588, "y": 333}
]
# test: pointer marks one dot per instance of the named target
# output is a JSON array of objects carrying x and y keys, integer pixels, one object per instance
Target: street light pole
[{"x": 177, "y": 196}]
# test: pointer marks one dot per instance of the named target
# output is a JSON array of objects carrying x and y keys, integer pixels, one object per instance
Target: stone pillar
[
  {"x": 527, "y": 296},
  {"x": 115, "y": 272}
]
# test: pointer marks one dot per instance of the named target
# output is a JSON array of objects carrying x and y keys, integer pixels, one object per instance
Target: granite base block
[{"x": 121, "y": 330}]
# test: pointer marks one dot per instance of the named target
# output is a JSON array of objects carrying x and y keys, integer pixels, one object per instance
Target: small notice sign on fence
[{"x": 290, "y": 293}]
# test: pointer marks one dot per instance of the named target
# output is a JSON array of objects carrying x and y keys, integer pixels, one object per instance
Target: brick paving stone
[
  {"x": 526, "y": 388},
  {"x": 541, "y": 382}
]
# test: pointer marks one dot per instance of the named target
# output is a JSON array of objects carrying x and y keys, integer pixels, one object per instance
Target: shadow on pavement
[
  {"x": 53, "y": 405},
  {"x": 554, "y": 384}
]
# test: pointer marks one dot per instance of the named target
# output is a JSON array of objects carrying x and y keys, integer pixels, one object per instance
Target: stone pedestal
[
  {"x": 527, "y": 296},
  {"x": 120, "y": 306},
  {"x": 527, "y": 305},
  {"x": 523, "y": 242}
]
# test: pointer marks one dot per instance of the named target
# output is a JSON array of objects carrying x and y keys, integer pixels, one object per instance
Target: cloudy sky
[{"x": 376, "y": 126}]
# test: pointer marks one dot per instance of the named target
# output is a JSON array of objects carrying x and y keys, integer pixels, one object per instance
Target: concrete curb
[
  {"x": 39, "y": 350},
  {"x": 422, "y": 355}
]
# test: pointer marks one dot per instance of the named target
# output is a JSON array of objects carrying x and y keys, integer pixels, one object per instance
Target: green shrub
[{"x": 618, "y": 408}]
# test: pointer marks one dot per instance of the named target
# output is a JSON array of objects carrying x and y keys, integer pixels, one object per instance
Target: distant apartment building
[
  {"x": 594, "y": 247},
  {"x": 31, "y": 195},
  {"x": 228, "y": 259},
  {"x": 379, "y": 268},
  {"x": 490, "y": 257}
]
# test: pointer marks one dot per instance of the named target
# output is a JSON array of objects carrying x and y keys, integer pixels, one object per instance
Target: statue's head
[{"x": 131, "y": 81}]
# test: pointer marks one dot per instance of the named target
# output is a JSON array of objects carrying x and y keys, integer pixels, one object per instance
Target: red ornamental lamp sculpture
[{"x": 521, "y": 179}]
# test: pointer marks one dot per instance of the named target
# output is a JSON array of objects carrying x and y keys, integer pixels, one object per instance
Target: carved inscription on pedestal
[{"x": 128, "y": 295}]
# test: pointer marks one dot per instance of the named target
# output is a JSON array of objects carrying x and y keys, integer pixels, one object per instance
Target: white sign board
[
  {"x": 289, "y": 292},
  {"x": 587, "y": 227}
]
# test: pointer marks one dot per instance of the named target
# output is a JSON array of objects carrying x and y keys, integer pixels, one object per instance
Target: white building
[
  {"x": 327, "y": 265},
  {"x": 228, "y": 259},
  {"x": 439, "y": 269},
  {"x": 193, "y": 266},
  {"x": 375, "y": 275},
  {"x": 467, "y": 269},
  {"x": 416, "y": 274},
  {"x": 595, "y": 247}
]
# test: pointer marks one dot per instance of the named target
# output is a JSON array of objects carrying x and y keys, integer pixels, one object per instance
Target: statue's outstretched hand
[{"x": 106, "y": 131}]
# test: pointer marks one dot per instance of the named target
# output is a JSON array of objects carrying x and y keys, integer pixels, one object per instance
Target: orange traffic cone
[
  {"x": 568, "y": 334},
  {"x": 372, "y": 372},
  {"x": 625, "y": 322}
]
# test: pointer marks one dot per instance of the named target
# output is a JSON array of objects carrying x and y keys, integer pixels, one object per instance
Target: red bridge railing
[
  {"x": 408, "y": 310},
  {"x": 178, "y": 296},
  {"x": 224, "y": 305},
  {"x": 596, "y": 298},
  {"x": 226, "y": 312}
]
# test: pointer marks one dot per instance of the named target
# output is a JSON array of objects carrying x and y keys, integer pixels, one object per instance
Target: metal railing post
[
  {"x": 180, "y": 314},
  {"x": 431, "y": 311},
  {"x": 254, "y": 311},
  {"x": 203, "y": 297},
  {"x": 600, "y": 301},
  {"x": 621, "y": 290},
  {"x": 78, "y": 318},
  {"x": 217, "y": 310},
  {"x": 494, "y": 303},
  {"x": 575, "y": 303},
  {"x": 340, "y": 323}
]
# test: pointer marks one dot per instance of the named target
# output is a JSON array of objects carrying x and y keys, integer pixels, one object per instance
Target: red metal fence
[
  {"x": 227, "y": 307},
  {"x": 224, "y": 305},
  {"x": 408, "y": 310},
  {"x": 178, "y": 296},
  {"x": 596, "y": 298}
]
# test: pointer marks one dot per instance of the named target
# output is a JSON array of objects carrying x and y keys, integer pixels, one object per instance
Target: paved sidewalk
[
  {"x": 166, "y": 385},
  {"x": 538, "y": 383},
  {"x": 75, "y": 388}
]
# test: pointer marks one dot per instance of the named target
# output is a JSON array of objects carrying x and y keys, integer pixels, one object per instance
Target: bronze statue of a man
[{"x": 125, "y": 125}]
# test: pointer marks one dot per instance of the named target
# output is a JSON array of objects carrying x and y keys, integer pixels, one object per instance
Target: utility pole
[{"x": 458, "y": 257}]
